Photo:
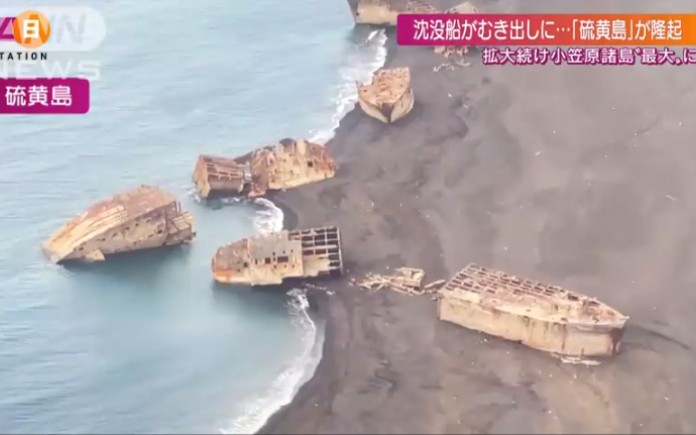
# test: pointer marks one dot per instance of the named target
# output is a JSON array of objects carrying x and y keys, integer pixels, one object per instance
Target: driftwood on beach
[{"x": 404, "y": 280}]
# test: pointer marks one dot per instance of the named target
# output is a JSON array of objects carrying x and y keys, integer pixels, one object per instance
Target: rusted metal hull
[
  {"x": 385, "y": 12},
  {"x": 388, "y": 112},
  {"x": 270, "y": 259},
  {"x": 142, "y": 218},
  {"x": 463, "y": 8},
  {"x": 504, "y": 306},
  {"x": 218, "y": 174},
  {"x": 389, "y": 97},
  {"x": 286, "y": 165}
]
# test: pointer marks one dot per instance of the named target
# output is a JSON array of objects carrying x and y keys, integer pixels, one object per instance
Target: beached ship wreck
[
  {"x": 283, "y": 166},
  {"x": 462, "y": 8},
  {"x": 451, "y": 50},
  {"x": 271, "y": 258},
  {"x": 140, "y": 218},
  {"x": 540, "y": 316},
  {"x": 385, "y": 12},
  {"x": 389, "y": 97}
]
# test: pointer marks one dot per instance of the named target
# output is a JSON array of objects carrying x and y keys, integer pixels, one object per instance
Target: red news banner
[
  {"x": 44, "y": 96},
  {"x": 547, "y": 29}
]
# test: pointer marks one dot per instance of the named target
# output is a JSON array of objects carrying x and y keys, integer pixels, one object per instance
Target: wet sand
[{"x": 580, "y": 176}]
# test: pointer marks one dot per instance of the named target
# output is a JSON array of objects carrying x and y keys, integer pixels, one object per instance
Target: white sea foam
[
  {"x": 269, "y": 217},
  {"x": 366, "y": 57},
  {"x": 285, "y": 386}
]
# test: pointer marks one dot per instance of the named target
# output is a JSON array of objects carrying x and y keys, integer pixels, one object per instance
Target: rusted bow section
[
  {"x": 386, "y": 12},
  {"x": 389, "y": 97},
  {"x": 283, "y": 166},
  {"x": 142, "y": 217}
]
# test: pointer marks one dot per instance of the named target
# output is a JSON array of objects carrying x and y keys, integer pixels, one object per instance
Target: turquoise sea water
[{"x": 146, "y": 342}]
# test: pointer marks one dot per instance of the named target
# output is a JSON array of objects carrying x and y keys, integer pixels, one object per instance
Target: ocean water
[{"x": 146, "y": 343}]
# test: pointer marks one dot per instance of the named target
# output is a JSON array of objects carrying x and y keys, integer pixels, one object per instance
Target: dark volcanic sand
[{"x": 581, "y": 176}]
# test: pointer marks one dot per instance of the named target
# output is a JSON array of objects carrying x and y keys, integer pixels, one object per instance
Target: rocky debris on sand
[
  {"x": 404, "y": 280},
  {"x": 451, "y": 50},
  {"x": 450, "y": 66},
  {"x": 434, "y": 286}
]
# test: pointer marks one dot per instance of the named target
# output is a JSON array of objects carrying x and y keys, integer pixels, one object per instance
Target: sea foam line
[
  {"x": 374, "y": 48},
  {"x": 270, "y": 218},
  {"x": 258, "y": 410}
]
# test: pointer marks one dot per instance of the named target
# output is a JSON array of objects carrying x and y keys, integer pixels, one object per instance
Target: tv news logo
[
  {"x": 51, "y": 29},
  {"x": 30, "y": 29}
]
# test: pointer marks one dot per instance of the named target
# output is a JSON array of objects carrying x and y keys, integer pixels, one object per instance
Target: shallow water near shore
[{"x": 146, "y": 343}]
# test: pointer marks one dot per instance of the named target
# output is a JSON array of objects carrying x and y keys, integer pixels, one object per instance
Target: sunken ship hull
[
  {"x": 271, "y": 258},
  {"x": 283, "y": 166},
  {"x": 385, "y": 12},
  {"x": 389, "y": 97},
  {"x": 142, "y": 218},
  {"x": 542, "y": 317},
  {"x": 214, "y": 175}
]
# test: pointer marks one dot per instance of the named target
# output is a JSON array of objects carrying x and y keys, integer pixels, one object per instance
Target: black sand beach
[{"x": 579, "y": 176}]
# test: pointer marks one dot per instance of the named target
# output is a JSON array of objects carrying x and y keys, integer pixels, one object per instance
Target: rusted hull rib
[
  {"x": 142, "y": 218},
  {"x": 540, "y": 316},
  {"x": 283, "y": 166},
  {"x": 389, "y": 97},
  {"x": 385, "y": 12},
  {"x": 271, "y": 258},
  {"x": 218, "y": 174}
]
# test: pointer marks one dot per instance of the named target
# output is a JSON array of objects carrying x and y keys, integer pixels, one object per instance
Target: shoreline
[
  {"x": 320, "y": 301},
  {"x": 553, "y": 173}
]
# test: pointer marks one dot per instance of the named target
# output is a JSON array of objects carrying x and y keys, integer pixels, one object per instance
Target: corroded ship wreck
[
  {"x": 450, "y": 50},
  {"x": 385, "y": 12},
  {"x": 269, "y": 259},
  {"x": 540, "y": 316},
  {"x": 285, "y": 165},
  {"x": 389, "y": 97},
  {"x": 462, "y": 8},
  {"x": 140, "y": 218}
]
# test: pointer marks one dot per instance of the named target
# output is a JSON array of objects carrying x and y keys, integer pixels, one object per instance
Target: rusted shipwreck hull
[
  {"x": 462, "y": 8},
  {"x": 140, "y": 218},
  {"x": 385, "y": 12},
  {"x": 540, "y": 316},
  {"x": 283, "y": 166},
  {"x": 269, "y": 259},
  {"x": 389, "y": 97},
  {"x": 450, "y": 50}
]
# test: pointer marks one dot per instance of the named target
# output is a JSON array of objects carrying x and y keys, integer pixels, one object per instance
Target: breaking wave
[
  {"x": 259, "y": 409},
  {"x": 366, "y": 55},
  {"x": 268, "y": 217}
]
